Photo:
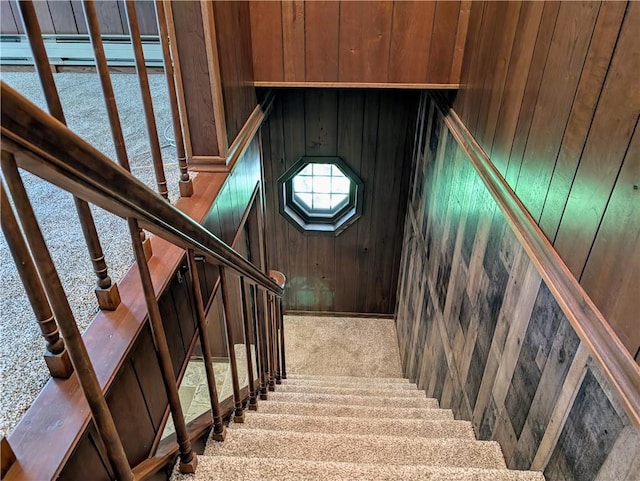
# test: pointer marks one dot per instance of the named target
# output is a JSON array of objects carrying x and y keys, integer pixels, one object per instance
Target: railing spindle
[
  {"x": 238, "y": 414},
  {"x": 188, "y": 458},
  {"x": 253, "y": 404},
  {"x": 185, "y": 184},
  {"x": 272, "y": 358},
  {"x": 261, "y": 342},
  {"x": 147, "y": 103},
  {"x": 283, "y": 365},
  {"x": 93, "y": 25},
  {"x": 106, "y": 290},
  {"x": 56, "y": 356},
  {"x": 218, "y": 426},
  {"x": 68, "y": 327},
  {"x": 276, "y": 339}
]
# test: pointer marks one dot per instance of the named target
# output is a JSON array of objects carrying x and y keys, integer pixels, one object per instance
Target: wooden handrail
[
  {"x": 586, "y": 319},
  {"x": 48, "y": 149}
]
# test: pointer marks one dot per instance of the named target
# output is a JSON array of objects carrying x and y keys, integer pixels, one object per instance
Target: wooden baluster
[
  {"x": 188, "y": 458},
  {"x": 141, "y": 69},
  {"x": 106, "y": 290},
  {"x": 270, "y": 346},
  {"x": 102, "y": 67},
  {"x": 7, "y": 457},
  {"x": 283, "y": 362},
  {"x": 67, "y": 323},
  {"x": 276, "y": 339},
  {"x": 55, "y": 356},
  {"x": 261, "y": 342},
  {"x": 238, "y": 414},
  {"x": 185, "y": 184},
  {"x": 253, "y": 403},
  {"x": 218, "y": 427}
]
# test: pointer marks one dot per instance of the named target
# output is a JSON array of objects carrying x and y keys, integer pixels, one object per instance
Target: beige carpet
[
  {"x": 342, "y": 346},
  {"x": 344, "y": 413}
]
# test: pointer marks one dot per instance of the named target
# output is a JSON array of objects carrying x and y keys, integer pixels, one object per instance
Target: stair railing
[{"x": 38, "y": 143}]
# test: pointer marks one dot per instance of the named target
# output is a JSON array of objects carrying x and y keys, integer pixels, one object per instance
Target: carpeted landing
[{"x": 345, "y": 428}]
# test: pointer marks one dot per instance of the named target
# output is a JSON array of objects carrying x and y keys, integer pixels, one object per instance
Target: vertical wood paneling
[
  {"x": 355, "y": 271},
  {"x": 559, "y": 128},
  {"x": 575, "y": 135},
  {"x": 411, "y": 35},
  {"x": 195, "y": 81},
  {"x": 293, "y": 39},
  {"x": 350, "y": 135},
  {"x": 614, "y": 261},
  {"x": 359, "y": 41},
  {"x": 109, "y": 17},
  {"x": 565, "y": 61},
  {"x": 365, "y": 29},
  {"x": 236, "y": 71},
  {"x": 266, "y": 40},
  {"x": 442, "y": 50},
  {"x": 479, "y": 330},
  {"x": 613, "y": 124},
  {"x": 62, "y": 16},
  {"x": 7, "y": 21},
  {"x": 321, "y": 44}
]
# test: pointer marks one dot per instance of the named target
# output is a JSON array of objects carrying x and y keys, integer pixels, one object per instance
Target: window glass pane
[
  {"x": 336, "y": 172},
  {"x": 322, "y": 169},
  {"x": 338, "y": 200},
  {"x": 321, "y": 201},
  {"x": 340, "y": 185},
  {"x": 302, "y": 184},
  {"x": 321, "y": 185},
  {"x": 304, "y": 200},
  {"x": 308, "y": 170}
]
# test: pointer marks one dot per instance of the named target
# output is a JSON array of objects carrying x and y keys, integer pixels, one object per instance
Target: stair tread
[
  {"x": 374, "y": 449},
  {"x": 388, "y": 401},
  {"x": 353, "y": 425},
  {"x": 227, "y": 468},
  {"x": 356, "y": 391},
  {"x": 348, "y": 378},
  {"x": 351, "y": 384},
  {"x": 342, "y": 410}
]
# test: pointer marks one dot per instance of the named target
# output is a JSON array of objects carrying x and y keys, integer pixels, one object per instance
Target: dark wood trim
[
  {"x": 358, "y": 85},
  {"x": 589, "y": 323}
]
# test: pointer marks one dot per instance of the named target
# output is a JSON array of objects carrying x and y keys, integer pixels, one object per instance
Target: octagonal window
[{"x": 320, "y": 194}]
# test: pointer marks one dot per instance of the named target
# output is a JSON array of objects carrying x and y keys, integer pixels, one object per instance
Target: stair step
[
  {"x": 354, "y": 391},
  {"x": 312, "y": 377},
  {"x": 229, "y": 468},
  {"x": 379, "y": 426},
  {"x": 360, "y": 449},
  {"x": 346, "y": 399},
  {"x": 351, "y": 384},
  {"x": 341, "y": 410}
]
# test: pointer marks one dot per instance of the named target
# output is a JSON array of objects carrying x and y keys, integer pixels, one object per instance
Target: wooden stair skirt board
[{"x": 342, "y": 428}]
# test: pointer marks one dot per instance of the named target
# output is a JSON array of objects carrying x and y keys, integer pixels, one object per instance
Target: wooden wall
[
  {"x": 480, "y": 330},
  {"x": 372, "y": 131},
  {"x": 233, "y": 38},
  {"x": 212, "y": 55},
  {"x": 67, "y": 17},
  {"x": 359, "y": 42},
  {"x": 550, "y": 91}
]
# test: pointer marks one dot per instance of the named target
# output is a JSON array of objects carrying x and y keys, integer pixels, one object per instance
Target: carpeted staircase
[{"x": 346, "y": 428}]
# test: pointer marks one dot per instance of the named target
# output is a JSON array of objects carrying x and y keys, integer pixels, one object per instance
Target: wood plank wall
[
  {"x": 550, "y": 91},
  {"x": 370, "y": 42},
  {"x": 372, "y": 131},
  {"x": 233, "y": 37},
  {"x": 67, "y": 17},
  {"x": 137, "y": 398},
  {"x": 480, "y": 330}
]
